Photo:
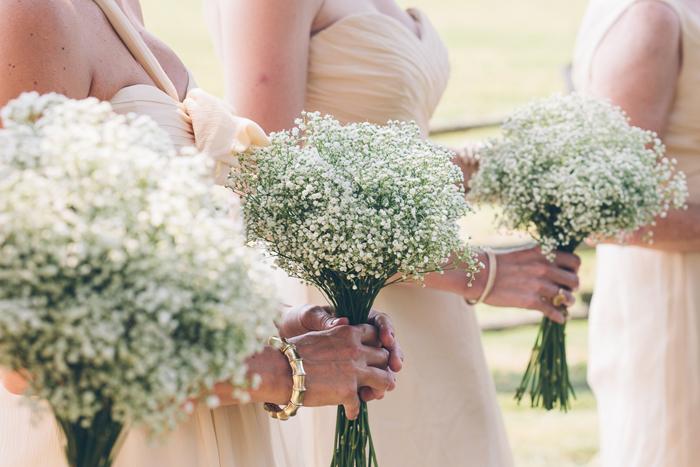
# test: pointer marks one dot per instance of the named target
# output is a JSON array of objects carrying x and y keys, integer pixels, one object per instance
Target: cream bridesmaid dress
[
  {"x": 236, "y": 436},
  {"x": 444, "y": 413},
  {"x": 645, "y": 318}
]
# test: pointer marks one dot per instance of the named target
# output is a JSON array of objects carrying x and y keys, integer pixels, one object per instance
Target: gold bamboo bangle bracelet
[{"x": 298, "y": 380}]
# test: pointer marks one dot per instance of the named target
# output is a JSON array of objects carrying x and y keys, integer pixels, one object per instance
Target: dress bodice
[
  {"x": 167, "y": 112},
  {"x": 682, "y": 133},
  {"x": 371, "y": 67}
]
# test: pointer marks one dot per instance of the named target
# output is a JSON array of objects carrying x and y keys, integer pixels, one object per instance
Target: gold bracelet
[
  {"x": 298, "y": 380},
  {"x": 493, "y": 268}
]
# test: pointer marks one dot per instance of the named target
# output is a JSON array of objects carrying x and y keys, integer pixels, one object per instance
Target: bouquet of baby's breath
[
  {"x": 568, "y": 168},
  {"x": 351, "y": 209},
  {"x": 125, "y": 286}
]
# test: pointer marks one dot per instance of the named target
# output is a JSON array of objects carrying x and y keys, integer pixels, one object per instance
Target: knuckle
[
  {"x": 540, "y": 269},
  {"x": 352, "y": 354},
  {"x": 345, "y": 332},
  {"x": 355, "y": 353},
  {"x": 349, "y": 394},
  {"x": 385, "y": 355},
  {"x": 389, "y": 380}
]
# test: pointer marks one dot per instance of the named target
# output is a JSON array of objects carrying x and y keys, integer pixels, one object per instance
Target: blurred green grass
[{"x": 503, "y": 53}]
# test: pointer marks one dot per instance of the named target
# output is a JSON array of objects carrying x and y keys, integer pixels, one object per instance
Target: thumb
[{"x": 320, "y": 319}]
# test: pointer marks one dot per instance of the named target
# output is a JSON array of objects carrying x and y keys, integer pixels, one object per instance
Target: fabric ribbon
[{"x": 219, "y": 133}]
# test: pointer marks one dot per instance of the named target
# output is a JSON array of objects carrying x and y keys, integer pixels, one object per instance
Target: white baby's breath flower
[
  {"x": 571, "y": 167},
  {"x": 124, "y": 281},
  {"x": 361, "y": 201}
]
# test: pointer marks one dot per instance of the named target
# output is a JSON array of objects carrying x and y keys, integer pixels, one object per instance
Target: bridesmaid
[
  {"x": 645, "y": 319},
  {"x": 100, "y": 48},
  {"x": 369, "y": 60}
]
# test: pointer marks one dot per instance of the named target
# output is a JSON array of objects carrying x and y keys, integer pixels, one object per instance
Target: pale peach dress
[
  {"x": 236, "y": 436},
  {"x": 444, "y": 413},
  {"x": 645, "y": 318}
]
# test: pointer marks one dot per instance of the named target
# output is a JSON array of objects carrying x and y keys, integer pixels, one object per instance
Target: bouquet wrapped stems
[
  {"x": 94, "y": 445},
  {"x": 353, "y": 440},
  {"x": 569, "y": 168},
  {"x": 546, "y": 377},
  {"x": 352, "y": 299}
]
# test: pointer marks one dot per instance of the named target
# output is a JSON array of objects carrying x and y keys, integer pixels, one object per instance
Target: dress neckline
[
  {"x": 152, "y": 89},
  {"x": 412, "y": 12}
]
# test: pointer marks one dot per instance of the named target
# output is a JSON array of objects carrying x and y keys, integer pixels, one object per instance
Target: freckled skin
[{"x": 69, "y": 46}]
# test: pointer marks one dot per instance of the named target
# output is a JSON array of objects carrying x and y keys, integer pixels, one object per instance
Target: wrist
[{"x": 276, "y": 374}]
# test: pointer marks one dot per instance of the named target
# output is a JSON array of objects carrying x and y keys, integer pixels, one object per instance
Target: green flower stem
[
  {"x": 352, "y": 299},
  {"x": 92, "y": 446},
  {"x": 546, "y": 377}
]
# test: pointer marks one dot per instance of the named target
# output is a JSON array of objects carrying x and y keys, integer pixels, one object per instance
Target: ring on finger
[{"x": 559, "y": 299}]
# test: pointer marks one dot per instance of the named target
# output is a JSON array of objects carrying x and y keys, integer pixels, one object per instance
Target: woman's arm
[
  {"x": 265, "y": 48},
  {"x": 343, "y": 364},
  {"x": 524, "y": 279},
  {"x": 41, "y": 50},
  {"x": 637, "y": 67}
]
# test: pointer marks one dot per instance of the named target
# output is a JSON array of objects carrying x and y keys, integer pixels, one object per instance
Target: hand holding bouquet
[
  {"x": 568, "y": 168},
  {"x": 125, "y": 286},
  {"x": 351, "y": 209}
]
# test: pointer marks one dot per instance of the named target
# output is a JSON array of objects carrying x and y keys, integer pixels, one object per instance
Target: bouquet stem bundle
[
  {"x": 347, "y": 208},
  {"x": 353, "y": 440},
  {"x": 546, "y": 377},
  {"x": 569, "y": 168},
  {"x": 94, "y": 445},
  {"x": 352, "y": 299}
]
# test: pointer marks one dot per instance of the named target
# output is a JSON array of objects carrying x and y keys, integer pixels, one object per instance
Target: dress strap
[{"x": 137, "y": 46}]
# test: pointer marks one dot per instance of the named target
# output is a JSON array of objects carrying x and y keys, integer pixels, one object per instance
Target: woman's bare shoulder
[
  {"x": 41, "y": 48},
  {"x": 52, "y": 18},
  {"x": 656, "y": 16}
]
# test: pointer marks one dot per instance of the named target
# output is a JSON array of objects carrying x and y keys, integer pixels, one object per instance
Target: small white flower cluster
[
  {"x": 572, "y": 167},
  {"x": 362, "y": 201},
  {"x": 125, "y": 282}
]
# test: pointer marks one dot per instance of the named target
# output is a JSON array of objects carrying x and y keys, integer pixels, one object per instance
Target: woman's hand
[
  {"x": 14, "y": 382},
  {"x": 343, "y": 365},
  {"x": 309, "y": 318},
  {"x": 526, "y": 279}
]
